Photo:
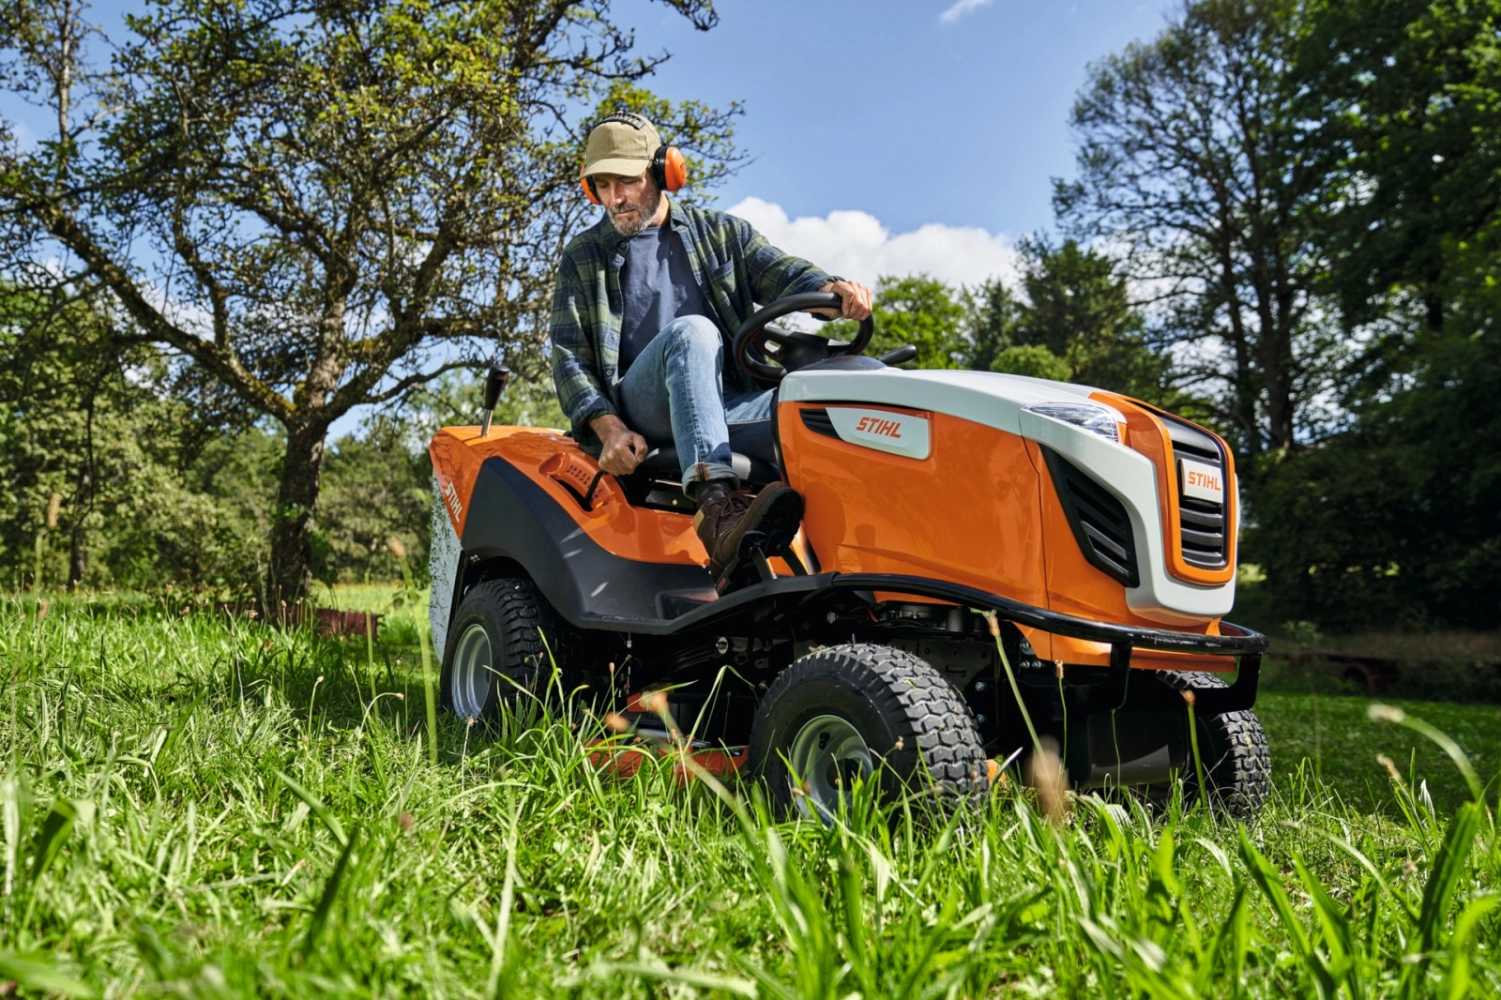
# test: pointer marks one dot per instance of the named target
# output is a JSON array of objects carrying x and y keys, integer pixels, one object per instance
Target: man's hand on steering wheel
[{"x": 855, "y": 296}]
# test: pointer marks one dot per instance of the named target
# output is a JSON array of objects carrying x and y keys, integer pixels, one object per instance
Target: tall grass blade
[
  {"x": 319, "y": 809},
  {"x": 1390, "y": 713},
  {"x": 1448, "y": 868},
  {"x": 995, "y": 632},
  {"x": 42, "y": 976},
  {"x": 15, "y": 817},
  {"x": 1269, "y": 881},
  {"x": 52, "y": 836},
  {"x": 503, "y": 916},
  {"x": 328, "y": 896},
  {"x": 1457, "y": 981}
]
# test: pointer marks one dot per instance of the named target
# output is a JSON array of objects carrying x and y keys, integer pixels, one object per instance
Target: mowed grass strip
[{"x": 210, "y": 807}]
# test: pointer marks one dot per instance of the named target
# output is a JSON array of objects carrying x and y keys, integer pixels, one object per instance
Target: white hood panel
[
  {"x": 996, "y": 400},
  {"x": 988, "y": 398}
]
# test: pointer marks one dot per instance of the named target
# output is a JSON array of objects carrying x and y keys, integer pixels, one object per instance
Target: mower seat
[{"x": 662, "y": 462}]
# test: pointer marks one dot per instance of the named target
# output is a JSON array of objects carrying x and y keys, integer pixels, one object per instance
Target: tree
[
  {"x": 1192, "y": 160},
  {"x": 1079, "y": 309},
  {"x": 58, "y": 391},
  {"x": 990, "y": 317},
  {"x": 1072, "y": 320},
  {"x": 105, "y": 431},
  {"x": 1394, "y": 519},
  {"x": 322, "y": 205},
  {"x": 1407, "y": 94},
  {"x": 921, "y": 311}
]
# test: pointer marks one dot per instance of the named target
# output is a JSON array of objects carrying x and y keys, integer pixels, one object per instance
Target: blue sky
[
  {"x": 937, "y": 113},
  {"x": 886, "y": 136},
  {"x": 889, "y": 107}
]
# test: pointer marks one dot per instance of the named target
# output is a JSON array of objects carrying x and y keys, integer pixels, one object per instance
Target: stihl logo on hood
[
  {"x": 904, "y": 434},
  {"x": 1201, "y": 481},
  {"x": 875, "y": 425}
]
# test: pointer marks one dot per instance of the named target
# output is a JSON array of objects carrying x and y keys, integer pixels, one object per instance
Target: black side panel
[
  {"x": 511, "y": 516},
  {"x": 817, "y": 420},
  {"x": 1101, "y": 525}
]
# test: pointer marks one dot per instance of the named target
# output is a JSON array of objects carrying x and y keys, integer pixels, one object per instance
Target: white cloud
[
  {"x": 856, "y": 245},
  {"x": 961, "y": 9}
]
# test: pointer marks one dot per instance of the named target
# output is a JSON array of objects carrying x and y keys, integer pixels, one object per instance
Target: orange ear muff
[
  {"x": 589, "y": 189},
  {"x": 674, "y": 169}
]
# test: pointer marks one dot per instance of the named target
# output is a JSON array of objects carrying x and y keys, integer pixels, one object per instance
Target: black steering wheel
[{"x": 793, "y": 350}]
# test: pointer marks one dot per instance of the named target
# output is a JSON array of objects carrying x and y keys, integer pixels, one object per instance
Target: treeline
[
  {"x": 116, "y": 470},
  {"x": 1284, "y": 223}
]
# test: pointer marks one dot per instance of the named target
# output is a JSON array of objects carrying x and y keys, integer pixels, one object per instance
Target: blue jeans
[{"x": 673, "y": 393}]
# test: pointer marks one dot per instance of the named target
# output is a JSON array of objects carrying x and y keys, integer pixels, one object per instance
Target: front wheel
[
  {"x": 1233, "y": 751},
  {"x": 864, "y": 712}
]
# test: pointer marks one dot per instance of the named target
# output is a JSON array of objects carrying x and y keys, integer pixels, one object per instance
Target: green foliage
[
  {"x": 282, "y": 831},
  {"x": 990, "y": 318},
  {"x": 98, "y": 424},
  {"x": 375, "y": 488},
  {"x": 1407, "y": 95},
  {"x": 1080, "y": 310},
  {"x": 1393, "y": 518},
  {"x": 921, "y": 311},
  {"x": 1071, "y": 320},
  {"x": 1396, "y": 519},
  {"x": 1034, "y": 360}
]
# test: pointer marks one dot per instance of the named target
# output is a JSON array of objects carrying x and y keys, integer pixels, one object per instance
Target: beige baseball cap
[{"x": 623, "y": 144}]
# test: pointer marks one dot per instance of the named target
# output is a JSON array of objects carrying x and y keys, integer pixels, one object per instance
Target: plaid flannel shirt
[{"x": 734, "y": 265}]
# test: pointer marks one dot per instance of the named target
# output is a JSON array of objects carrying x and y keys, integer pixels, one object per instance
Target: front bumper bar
[
  {"x": 1244, "y": 643},
  {"x": 758, "y": 606}
]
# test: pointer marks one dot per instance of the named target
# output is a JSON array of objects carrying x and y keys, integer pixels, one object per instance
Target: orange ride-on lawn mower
[{"x": 1097, "y": 530}]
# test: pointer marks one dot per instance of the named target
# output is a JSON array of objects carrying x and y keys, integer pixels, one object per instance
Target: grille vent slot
[
  {"x": 817, "y": 420},
  {"x": 1099, "y": 520},
  {"x": 1201, "y": 523}
]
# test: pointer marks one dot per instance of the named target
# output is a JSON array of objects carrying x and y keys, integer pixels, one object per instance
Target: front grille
[
  {"x": 1201, "y": 523},
  {"x": 1099, "y": 520},
  {"x": 817, "y": 420}
]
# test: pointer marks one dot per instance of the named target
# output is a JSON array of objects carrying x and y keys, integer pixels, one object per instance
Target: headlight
[{"x": 1097, "y": 419}]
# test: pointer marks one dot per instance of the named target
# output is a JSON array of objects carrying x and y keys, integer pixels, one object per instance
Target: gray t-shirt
[{"x": 657, "y": 285}]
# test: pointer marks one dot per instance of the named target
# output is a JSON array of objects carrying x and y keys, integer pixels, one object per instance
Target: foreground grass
[{"x": 204, "y": 808}]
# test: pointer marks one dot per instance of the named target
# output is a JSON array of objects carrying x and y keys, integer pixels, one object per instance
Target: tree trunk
[
  {"x": 78, "y": 558},
  {"x": 296, "y": 502}
]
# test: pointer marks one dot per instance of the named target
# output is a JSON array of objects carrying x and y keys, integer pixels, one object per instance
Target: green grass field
[{"x": 199, "y": 807}]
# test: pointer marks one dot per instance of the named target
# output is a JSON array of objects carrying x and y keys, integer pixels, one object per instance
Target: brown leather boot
[{"x": 732, "y": 523}]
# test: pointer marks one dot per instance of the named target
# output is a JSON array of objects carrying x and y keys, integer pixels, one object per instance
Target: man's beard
[{"x": 645, "y": 213}]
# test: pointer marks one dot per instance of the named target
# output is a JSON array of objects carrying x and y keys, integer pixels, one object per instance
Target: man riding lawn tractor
[
  {"x": 645, "y": 303},
  {"x": 914, "y": 577}
]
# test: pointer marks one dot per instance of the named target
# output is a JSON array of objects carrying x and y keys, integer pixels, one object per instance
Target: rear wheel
[
  {"x": 1233, "y": 751},
  {"x": 495, "y": 647},
  {"x": 864, "y": 712}
]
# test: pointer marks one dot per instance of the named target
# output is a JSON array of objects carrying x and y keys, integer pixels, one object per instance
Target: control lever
[
  {"x": 495, "y": 384},
  {"x": 902, "y": 354}
]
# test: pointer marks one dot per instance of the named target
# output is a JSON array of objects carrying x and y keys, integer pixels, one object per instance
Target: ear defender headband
[{"x": 668, "y": 168}]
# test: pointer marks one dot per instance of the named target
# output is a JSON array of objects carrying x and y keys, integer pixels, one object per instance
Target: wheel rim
[
  {"x": 473, "y": 672},
  {"x": 827, "y": 755}
]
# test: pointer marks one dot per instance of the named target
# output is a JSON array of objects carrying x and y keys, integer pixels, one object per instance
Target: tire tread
[
  {"x": 1241, "y": 777},
  {"x": 523, "y": 616},
  {"x": 932, "y": 713}
]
